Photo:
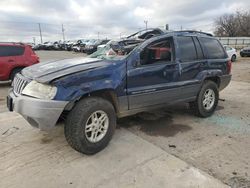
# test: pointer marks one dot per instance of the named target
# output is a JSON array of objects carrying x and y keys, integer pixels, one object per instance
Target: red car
[{"x": 13, "y": 58}]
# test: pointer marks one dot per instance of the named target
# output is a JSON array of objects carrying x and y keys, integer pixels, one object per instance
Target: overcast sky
[{"x": 111, "y": 18}]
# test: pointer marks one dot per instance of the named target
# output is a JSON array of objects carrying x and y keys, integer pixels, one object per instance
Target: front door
[{"x": 154, "y": 80}]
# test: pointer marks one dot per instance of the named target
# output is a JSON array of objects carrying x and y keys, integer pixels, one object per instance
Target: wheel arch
[
  {"x": 107, "y": 94},
  {"x": 215, "y": 79}
]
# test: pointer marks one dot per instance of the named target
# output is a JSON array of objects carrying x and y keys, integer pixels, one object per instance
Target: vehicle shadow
[{"x": 158, "y": 122}]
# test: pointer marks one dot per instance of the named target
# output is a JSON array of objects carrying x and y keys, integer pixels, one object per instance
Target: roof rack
[{"x": 191, "y": 31}]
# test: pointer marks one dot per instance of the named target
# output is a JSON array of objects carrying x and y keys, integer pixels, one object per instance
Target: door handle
[{"x": 10, "y": 60}]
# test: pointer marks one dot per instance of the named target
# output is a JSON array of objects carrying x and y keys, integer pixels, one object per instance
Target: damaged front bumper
[{"x": 42, "y": 114}]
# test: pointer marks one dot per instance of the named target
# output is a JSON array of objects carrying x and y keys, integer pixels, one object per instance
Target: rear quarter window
[
  {"x": 11, "y": 51},
  {"x": 213, "y": 48}
]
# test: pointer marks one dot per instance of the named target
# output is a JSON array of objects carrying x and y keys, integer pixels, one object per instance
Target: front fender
[{"x": 75, "y": 86}]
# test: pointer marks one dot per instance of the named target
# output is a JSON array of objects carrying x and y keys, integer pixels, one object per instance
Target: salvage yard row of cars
[
  {"x": 90, "y": 45},
  {"x": 16, "y": 56},
  {"x": 81, "y": 45}
]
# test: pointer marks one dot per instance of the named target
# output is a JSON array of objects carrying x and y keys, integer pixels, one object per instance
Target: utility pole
[
  {"x": 34, "y": 40},
  {"x": 167, "y": 27},
  {"x": 146, "y": 23},
  {"x": 181, "y": 27},
  {"x": 63, "y": 33},
  {"x": 41, "y": 36},
  {"x": 98, "y": 35}
]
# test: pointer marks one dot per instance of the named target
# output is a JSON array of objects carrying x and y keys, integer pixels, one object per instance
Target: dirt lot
[{"x": 219, "y": 145}]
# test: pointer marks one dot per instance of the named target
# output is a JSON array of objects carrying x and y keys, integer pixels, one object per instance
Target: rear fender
[{"x": 203, "y": 75}]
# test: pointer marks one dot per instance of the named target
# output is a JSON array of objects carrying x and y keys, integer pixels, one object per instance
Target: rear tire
[
  {"x": 207, "y": 100},
  {"x": 14, "y": 72},
  {"x": 83, "y": 121}
]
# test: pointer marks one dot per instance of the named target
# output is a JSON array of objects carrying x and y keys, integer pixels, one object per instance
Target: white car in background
[{"x": 231, "y": 52}]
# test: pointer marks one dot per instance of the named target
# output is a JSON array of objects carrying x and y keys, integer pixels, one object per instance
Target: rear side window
[
  {"x": 187, "y": 49},
  {"x": 213, "y": 48},
  {"x": 11, "y": 51}
]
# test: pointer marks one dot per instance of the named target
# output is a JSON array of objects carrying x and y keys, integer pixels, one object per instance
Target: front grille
[{"x": 19, "y": 83}]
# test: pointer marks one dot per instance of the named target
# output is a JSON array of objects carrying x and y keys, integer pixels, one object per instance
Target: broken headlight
[{"x": 38, "y": 90}]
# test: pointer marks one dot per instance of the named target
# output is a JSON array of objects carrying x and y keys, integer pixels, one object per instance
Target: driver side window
[{"x": 157, "y": 52}]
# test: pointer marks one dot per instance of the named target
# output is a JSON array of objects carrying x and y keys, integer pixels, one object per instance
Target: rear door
[
  {"x": 154, "y": 80},
  {"x": 192, "y": 61}
]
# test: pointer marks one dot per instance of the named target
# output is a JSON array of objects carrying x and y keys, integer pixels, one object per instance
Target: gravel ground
[{"x": 219, "y": 145}]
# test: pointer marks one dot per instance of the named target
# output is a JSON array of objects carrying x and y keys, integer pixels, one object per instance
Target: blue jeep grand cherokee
[{"x": 92, "y": 92}]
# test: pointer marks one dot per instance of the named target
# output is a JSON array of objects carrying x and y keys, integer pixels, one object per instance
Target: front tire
[
  {"x": 90, "y": 125},
  {"x": 207, "y": 100}
]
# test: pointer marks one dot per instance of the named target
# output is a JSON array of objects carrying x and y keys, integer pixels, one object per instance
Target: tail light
[{"x": 229, "y": 67}]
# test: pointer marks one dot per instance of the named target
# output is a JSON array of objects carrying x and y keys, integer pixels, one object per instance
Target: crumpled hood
[{"x": 48, "y": 71}]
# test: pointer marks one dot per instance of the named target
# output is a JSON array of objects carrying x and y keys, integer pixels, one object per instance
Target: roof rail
[{"x": 191, "y": 31}]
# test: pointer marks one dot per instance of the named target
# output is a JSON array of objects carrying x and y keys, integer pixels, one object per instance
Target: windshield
[{"x": 113, "y": 51}]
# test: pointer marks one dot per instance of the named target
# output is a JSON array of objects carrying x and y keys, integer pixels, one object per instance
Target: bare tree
[
  {"x": 226, "y": 25},
  {"x": 233, "y": 25},
  {"x": 243, "y": 19}
]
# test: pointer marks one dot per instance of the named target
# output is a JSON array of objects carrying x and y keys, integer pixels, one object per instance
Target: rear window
[
  {"x": 213, "y": 48},
  {"x": 187, "y": 49},
  {"x": 11, "y": 51}
]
